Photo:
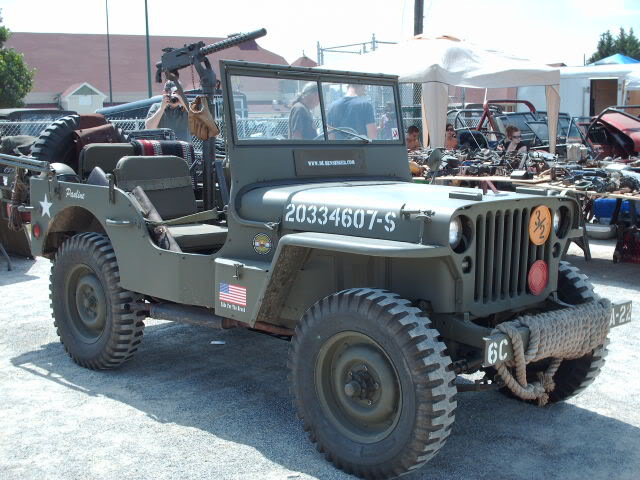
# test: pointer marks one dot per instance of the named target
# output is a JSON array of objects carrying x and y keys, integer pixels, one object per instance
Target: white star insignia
[{"x": 46, "y": 206}]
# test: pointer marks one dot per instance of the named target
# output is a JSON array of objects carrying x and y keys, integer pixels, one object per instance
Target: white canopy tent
[{"x": 439, "y": 62}]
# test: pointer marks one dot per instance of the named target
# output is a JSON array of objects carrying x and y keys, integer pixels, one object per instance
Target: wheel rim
[
  {"x": 358, "y": 387},
  {"x": 85, "y": 304}
]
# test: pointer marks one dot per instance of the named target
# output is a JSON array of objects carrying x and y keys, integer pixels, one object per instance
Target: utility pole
[
  {"x": 418, "y": 23},
  {"x": 146, "y": 20},
  {"x": 106, "y": 4},
  {"x": 418, "y": 17}
]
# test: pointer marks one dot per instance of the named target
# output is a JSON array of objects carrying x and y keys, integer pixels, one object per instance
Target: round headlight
[
  {"x": 556, "y": 221},
  {"x": 455, "y": 232}
]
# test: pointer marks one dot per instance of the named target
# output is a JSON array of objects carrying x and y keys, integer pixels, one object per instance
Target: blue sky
[{"x": 543, "y": 30}]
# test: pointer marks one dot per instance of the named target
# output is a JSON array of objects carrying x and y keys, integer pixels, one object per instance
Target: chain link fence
[
  {"x": 411, "y": 107},
  {"x": 33, "y": 128},
  {"x": 269, "y": 127}
]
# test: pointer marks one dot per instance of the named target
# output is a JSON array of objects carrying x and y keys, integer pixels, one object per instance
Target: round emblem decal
[
  {"x": 262, "y": 243},
  {"x": 540, "y": 225}
]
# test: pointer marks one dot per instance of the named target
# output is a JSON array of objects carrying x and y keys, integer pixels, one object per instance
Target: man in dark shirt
[
  {"x": 301, "y": 123},
  {"x": 353, "y": 111},
  {"x": 170, "y": 113}
]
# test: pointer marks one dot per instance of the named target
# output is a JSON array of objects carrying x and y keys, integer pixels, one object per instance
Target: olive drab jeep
[{"x": 388, "y": 290}]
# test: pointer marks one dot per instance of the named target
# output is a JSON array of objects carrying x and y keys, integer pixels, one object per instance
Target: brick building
[{"x": 64, "y": 60}]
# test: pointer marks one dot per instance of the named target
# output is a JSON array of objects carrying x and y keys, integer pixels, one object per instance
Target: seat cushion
[
  {"x": 198, "y": 235},
  {"x": 165, "y": 180},
  {"x": 103, "y": 155}
]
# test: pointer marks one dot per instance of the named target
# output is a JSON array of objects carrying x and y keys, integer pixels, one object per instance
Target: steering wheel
[{"x": 347, "y": 130}]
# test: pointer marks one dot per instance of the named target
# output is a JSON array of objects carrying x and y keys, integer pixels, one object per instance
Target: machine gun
[
  {"x": 195, "y": 54},
  {"x": 175, "y": 59}
]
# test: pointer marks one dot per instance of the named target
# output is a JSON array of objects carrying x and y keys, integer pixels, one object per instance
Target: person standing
[
  {"x": 353, "y": 111},
  {"x": 170, "y": 113},
  {"x": 301, "y": 123}
]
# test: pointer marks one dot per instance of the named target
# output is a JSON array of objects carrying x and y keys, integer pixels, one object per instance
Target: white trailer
[{"x": 586, "y": 91}]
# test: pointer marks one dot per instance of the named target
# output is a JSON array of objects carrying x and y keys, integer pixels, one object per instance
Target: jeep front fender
[{"x": 295, "y": 249}]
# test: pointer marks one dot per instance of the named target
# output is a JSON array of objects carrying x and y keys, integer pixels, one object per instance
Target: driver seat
[{"x": 167, "y": 182}]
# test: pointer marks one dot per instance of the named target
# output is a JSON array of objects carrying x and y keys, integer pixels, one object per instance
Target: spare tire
[{"x": 55, "y": 144}]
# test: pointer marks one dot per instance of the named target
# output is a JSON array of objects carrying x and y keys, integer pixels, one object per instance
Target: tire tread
[
  {"x": 127, "y": 325},
  {"x": 429, "y": 363}
]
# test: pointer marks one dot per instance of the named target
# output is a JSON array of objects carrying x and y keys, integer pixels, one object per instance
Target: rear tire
[
  {"x": 93, "y": 315},
  {"x": 372, "y": 383}
]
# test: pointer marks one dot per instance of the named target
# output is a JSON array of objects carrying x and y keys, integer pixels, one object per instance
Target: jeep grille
[{"x": 504, "y": 254}]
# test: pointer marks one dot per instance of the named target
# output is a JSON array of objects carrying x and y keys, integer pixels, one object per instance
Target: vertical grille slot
[
  {"x": 515, "y": 262},
  {"x": 490, "y": 231},
  {"x": 507, "y": 244},
  {"x": 524, "y": 252},
  {"x": 499, "y": 250},
  {"x": 479, "y": 257}
]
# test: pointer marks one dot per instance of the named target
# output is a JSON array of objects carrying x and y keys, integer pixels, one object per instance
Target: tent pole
[{"x": 418, "y": 25}]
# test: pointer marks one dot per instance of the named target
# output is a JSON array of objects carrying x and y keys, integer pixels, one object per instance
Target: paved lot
[{"x": 185, "y": 408}]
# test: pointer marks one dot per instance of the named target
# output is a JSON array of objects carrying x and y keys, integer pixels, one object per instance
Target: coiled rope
[{"x": 560, "y": 335}]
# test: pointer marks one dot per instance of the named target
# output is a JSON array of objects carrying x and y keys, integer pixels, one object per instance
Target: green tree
[
  {"x": 16, "y": 77},
  {"x": 625, "y": 43},
  {"x": 605, "y": 48},
  {"x": 632, "y": 47}
]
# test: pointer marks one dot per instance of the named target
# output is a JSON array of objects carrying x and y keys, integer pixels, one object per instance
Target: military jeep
[{"x": 388, "y": 290}]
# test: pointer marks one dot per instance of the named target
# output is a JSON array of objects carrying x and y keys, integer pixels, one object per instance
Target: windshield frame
[{"x": 317, "y": 75}]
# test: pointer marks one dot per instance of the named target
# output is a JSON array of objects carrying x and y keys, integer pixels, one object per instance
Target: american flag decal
[{"x": 233, "y": 294}]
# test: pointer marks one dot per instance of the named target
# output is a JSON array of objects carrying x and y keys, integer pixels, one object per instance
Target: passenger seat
[{"x": 167, "y": 182}]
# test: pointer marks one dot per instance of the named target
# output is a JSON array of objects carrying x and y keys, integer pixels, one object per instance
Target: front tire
[
  {"x": 93, "y": 315},
  {"x": 372, "y": 383}
]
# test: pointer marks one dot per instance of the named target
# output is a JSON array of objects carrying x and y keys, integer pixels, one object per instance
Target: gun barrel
[
  {"x": 27, "y": 163},
  {"x": 232, "y": 41}
]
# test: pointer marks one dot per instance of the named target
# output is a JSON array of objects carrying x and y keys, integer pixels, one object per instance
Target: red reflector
[
  {"x": 36, "y": 230},
  {"x": 538, "y": 277}
]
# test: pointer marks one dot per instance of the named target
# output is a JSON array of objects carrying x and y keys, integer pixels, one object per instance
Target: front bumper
[{"x": 498, "y": 347}]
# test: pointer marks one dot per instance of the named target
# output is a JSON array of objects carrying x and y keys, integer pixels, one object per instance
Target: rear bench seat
[
  {"x": 167, "y": 182},
  {"x": 103, "y": 155}
]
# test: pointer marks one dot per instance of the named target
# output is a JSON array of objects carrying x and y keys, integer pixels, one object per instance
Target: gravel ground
[{"x": 187, "y": 408}]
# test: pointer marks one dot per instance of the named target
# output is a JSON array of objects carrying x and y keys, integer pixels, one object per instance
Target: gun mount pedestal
[{"x": 195, "y": 54}]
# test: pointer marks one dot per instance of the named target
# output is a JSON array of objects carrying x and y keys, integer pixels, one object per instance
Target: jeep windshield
[{"x": 306, "y": 109}]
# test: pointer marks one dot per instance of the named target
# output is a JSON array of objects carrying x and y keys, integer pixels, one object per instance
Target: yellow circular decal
[
  {"x": 262, "y": 243},
  {"x": 540, "y": 225}
]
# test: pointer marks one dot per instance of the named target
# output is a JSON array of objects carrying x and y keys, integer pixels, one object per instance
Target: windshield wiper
[{"x": 353, "y": 134}]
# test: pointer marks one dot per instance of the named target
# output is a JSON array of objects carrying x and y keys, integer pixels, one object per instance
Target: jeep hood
[{"x": 376, "y": 210}]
